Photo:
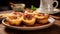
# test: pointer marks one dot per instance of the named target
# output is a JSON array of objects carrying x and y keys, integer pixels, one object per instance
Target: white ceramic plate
[{"x": 51, "y": 20}]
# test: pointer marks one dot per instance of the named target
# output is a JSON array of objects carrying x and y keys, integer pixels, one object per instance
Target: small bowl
[
  {"x": 18, "y": 7},
  {"x": 51, "y": 20}
]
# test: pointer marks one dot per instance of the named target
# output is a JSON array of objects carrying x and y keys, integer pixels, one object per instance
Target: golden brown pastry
[
  {"x": 29, "y": 19},
  {"x": 6, "y": 15},
  {"x": 35, "y": 12},
  {"x": 14, "y": 19},
  {"x": 17, "y": 13},
  {"x": 1, "y": 16},
  {"x": 28, "y": 11},
  {"x": 42, "y": 18}
]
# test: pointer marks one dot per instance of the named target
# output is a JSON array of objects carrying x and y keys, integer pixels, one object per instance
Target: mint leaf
[{"x": 32, "y": 7}]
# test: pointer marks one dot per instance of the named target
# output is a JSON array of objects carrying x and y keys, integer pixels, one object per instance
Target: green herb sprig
[{"x": 33, "y": 8}]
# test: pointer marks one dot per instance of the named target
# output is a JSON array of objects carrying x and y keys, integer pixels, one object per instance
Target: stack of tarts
[{"x": 28, "y": 18}]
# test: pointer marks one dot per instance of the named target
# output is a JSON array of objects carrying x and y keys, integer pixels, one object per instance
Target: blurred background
[{"x": 4, "y": 4}]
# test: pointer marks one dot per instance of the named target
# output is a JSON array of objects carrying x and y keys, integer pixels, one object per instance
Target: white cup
[{"x": 46, "y": 6}]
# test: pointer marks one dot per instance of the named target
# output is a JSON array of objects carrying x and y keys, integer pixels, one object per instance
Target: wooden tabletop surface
[{"x": 54, "y": 29}]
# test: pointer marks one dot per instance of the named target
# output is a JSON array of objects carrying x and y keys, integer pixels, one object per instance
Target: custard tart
[
  {"x": 29, "y": 19},
  {"x": 42, "y": 18},
  {"x": 35, "y": 12},
  {"x": 14, "y": 19},
  {"x": 17, "y": 13},
  {"x": 28, "y": 11}
]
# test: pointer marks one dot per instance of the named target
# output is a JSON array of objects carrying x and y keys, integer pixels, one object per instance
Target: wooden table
[{"x": 54, "y": 29}]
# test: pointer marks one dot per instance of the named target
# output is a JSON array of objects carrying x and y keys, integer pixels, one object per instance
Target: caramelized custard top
[
  {"x": 40, "y": 14},
  {"x": 28, "y": 16},
  {"x": 12, "y": 17},
  {"x": 18, "y": 13}
]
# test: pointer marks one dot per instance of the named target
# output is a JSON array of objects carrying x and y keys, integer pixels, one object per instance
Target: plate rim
[{"x": 27, "y": 28}]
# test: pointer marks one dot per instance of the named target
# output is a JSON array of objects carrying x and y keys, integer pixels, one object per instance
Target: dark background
[{"x": 4, "y": 4}]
